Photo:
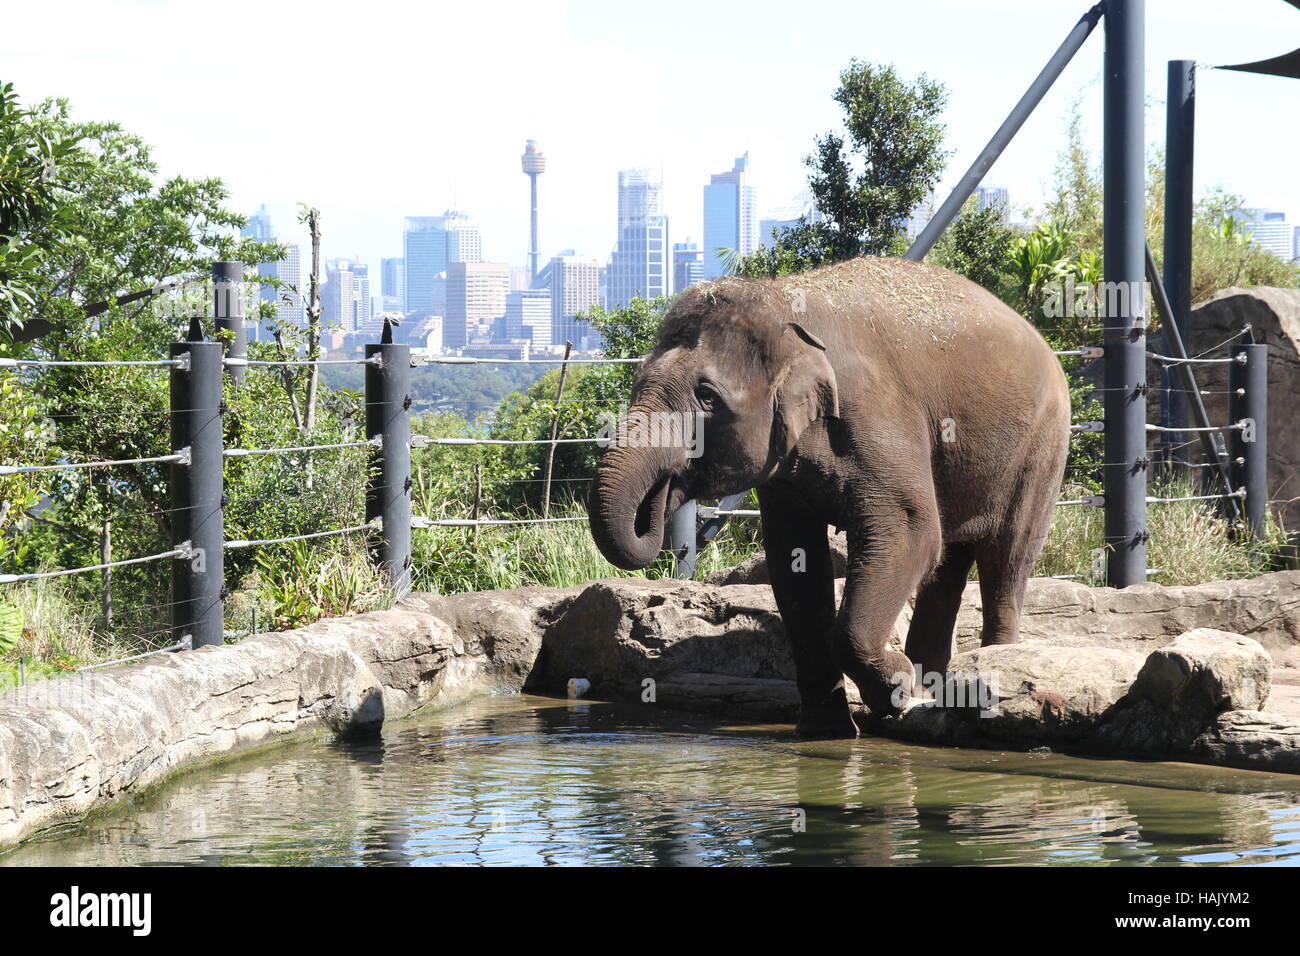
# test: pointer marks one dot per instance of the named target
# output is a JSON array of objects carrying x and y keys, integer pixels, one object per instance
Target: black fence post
[
  {"x": 681, "y": 539},
  {"x": 198, "y": 524},
  {"x": 228, "y": 313},
  {"x": 388, "y": 490},
  {"x": 1180, "y": 127},
  {"x": 1124, "y": 310},
  {"x": 1248, "y": 408}
]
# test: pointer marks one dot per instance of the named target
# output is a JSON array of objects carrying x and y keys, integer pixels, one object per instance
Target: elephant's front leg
[
  {"x": 889, "y": 554},
  {"x": 799, "y": 564}
]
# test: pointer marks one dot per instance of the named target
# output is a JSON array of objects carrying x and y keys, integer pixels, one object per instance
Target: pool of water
[{"x": 536, "y": 781}]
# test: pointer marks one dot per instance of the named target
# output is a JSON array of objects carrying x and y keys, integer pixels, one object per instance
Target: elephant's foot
[
  {"x": 826, "y": 717},
  {"x": 886, "y": 682}
]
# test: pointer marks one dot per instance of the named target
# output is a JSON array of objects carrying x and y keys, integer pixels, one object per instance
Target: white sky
[{"x": 372, "y": 111}]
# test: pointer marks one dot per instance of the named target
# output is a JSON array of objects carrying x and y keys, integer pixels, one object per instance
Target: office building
[
  {"x": 730, "y": 217},
  {"x": 392, "y": 284},
  {"x": 528, "y": 316},
  {"x": 638, "y": 267},
  {"x": 688, "y": 264},
  {"x": 430, "y": 243},
  {"x": 575, "y": 288},
  {"x": 476, "y": 299},
  {"x": 1269, "y": 228}
]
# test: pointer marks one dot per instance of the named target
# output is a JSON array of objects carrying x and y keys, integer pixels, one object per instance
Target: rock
[
  {"x": 1274, "y": 318},
  {"x": 619, "y": 632},
  {"x": 1147, "y": 616},
  {"x": 1025, "y": 694},
  {"x": 1204, "y": 672},
  {"x": 1254, "y": 739},
  {"x": 1181, "y": 691}
]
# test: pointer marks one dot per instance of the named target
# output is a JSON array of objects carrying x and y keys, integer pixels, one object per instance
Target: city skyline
[{"x": 465, "y": 154}]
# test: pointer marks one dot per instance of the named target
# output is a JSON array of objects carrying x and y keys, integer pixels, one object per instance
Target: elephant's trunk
[{"x": 634, "y": 491}]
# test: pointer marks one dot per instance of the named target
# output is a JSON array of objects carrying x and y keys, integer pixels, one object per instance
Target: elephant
[{"x": 894, "y": 400}]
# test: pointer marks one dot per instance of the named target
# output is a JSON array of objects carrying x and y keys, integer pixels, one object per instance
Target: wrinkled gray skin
[{"x": 892, "y": 399}]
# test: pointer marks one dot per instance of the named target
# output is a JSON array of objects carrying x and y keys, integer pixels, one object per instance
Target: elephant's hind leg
[
  {"x": 929, "y": 638},
  {"x": 1004, "y": 568}
]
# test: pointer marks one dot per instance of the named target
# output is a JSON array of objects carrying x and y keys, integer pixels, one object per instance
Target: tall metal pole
[
  {"x": 681, "y": 539},
  {"x": 228, "y": 312},
  {"x": 197, "y": 518},
  {"x": 1248, "y": 406},
  {"x": 1180, "y": 124},
  {"x": 1033, "y": 96},
  {"x": 388, "y": 491},
  {"x": 1124, "y": 307}
]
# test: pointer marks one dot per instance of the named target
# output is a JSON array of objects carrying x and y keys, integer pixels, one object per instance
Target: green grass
[
  {"x": 295, "y": 584},
  {"x": 1190, "y": 543}
]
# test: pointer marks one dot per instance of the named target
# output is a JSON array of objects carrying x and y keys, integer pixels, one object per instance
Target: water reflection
[{"x": 531, "y": 781}]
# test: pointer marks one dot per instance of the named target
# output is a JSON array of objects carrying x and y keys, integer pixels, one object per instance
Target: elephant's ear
[{"x": 806, "y": 389}]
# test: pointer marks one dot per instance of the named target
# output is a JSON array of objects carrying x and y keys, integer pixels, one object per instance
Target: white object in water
[{"x": 578, "y": 686}]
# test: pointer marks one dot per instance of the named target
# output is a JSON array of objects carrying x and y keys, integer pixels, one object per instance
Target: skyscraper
[
  {"x": 528, "y": 316},
  {"x": 730, "y": 216},
  {"x": 288, "y": 271},
  {"x": 424, "y": 248},
  {"x": 259, "y": 226},
  {"x": 999, "y": 197},
  {"x": 639, "y": 264},
  {"x": 392, "y": 284},
  {"x": 1270, "y": 229},
  {"x": 429, "y": 244},
  {"x": 338, "y": 295},
  {"x": 464, "y": 242},
  {"x": 688, "y": 264},
  {"x": 575, "y": 288},
  {"x": 361, "y": 307},
  {"x": 476, "y": 297}
]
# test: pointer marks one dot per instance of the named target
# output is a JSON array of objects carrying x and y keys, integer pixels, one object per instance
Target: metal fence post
[
  {"x": 681, "y": 539},
  {"x": 1124, "y": 311},
  {"x": 1248, "y": 406},
  {"x": 228, "y": 313},
  {"x": 198, "y": 578},
  {"x": 1180, "y": 125},
  {"x": 388, "y": 490}
]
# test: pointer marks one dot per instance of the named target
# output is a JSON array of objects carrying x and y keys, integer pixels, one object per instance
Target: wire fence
[{"x": 389, "y": 444}]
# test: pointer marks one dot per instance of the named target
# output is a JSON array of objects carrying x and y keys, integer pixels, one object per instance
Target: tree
[
  {"x": 35, "y": 219},
  {"x": 976, "y": 246},
  {"x": 867, "y": 179}
]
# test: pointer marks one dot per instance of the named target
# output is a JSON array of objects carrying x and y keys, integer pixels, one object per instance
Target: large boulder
[
  {"x": 1205, "y": 672},
  {"x": 700, "y": 645},
  {"x": 1023, "y": 694},
  {"x": 1274, "y": 319},
  {"x": 1254, "y": 739},
  {"x": 1183, "y": 691}
]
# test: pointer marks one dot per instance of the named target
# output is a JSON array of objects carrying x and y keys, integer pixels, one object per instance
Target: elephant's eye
[{"x": 706, "y": 396}]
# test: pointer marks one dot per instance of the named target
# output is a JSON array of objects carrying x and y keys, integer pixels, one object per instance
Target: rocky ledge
[{"x": 1147, "y": 672}]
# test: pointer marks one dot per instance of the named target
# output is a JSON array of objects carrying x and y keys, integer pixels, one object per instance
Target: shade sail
[{"x": 1288, "y": 64}]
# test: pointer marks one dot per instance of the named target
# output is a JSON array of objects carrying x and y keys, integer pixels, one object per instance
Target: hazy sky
[{"x": 372, "y": 111}]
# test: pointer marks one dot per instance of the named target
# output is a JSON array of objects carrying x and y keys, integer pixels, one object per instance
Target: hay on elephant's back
[{"x": 914, "y": 294}]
